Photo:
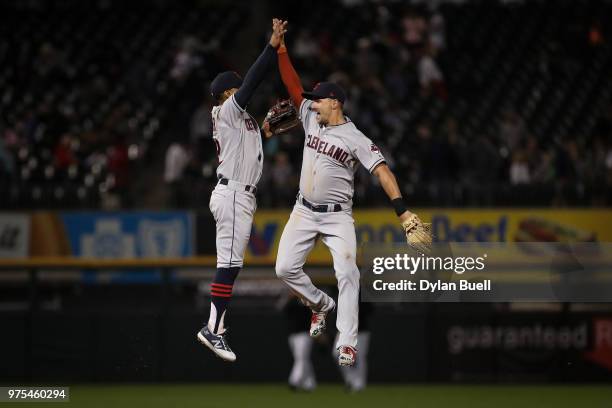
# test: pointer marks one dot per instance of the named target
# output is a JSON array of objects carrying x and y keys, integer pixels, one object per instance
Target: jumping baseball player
[
  {"x": 333, "y": 148},
  {"x": 232, "y": 203}
]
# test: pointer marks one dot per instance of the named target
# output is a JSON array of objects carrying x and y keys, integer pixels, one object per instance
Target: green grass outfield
[{"x": 333, "y": 396}]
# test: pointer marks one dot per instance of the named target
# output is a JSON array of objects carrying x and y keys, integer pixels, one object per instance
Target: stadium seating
[
  {"x": 105, "y": 79},
  {"x": 114, "y": 78}
]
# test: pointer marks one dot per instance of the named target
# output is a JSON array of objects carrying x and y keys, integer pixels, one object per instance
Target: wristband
[{"x": 399, "y": 206}]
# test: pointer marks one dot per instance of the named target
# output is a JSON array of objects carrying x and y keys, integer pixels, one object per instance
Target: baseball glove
[
  {"x": 418, "y": 234},
  {"x": 282, "y": 117}
]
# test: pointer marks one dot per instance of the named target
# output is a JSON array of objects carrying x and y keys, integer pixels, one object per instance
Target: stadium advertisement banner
[
  {"x": 524, "y": 345},
  {"x": 112, "y": 235},
  {"x": 449, "y": 225},
  {"x": 115, "y": 235},
  {"x": 14, "y": 235}
]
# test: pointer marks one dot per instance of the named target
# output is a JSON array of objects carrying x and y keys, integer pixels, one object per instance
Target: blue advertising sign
[{"x": 113, "y": 235}]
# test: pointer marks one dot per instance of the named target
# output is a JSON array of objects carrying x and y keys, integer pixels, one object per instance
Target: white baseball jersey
[
  {"x": 330, "y": 158},
  {"x": 238, "y": 141}
]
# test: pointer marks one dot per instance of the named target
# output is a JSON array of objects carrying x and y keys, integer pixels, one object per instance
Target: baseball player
[
  {"x": 232, "y": 203},
  {"x": 333, "y": 148}
]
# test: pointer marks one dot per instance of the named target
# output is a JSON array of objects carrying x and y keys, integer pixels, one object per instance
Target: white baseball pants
[
  {"x": 233, "y": 209},
  {"x": 337, "y": 231}
]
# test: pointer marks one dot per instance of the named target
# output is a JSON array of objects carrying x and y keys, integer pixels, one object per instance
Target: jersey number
[{"x": 250, "y": 124}]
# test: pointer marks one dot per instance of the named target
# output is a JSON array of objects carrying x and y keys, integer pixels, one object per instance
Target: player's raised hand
[
  {"x": 279, "y": 28},
  {"x": 282, "y": 41}
]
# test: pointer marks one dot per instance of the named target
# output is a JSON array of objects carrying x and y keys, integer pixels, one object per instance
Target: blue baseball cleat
[{"x": 217, "y": 343}]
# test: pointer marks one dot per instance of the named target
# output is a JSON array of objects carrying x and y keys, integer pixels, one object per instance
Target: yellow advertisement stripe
[{"x": 454, "y": 225}]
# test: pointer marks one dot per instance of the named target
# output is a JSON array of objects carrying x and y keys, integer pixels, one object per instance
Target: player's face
[
  {"x": 323, "y": 107},
  {"x": 230, "y": 92},
  {"x": 227, "y": 94}
]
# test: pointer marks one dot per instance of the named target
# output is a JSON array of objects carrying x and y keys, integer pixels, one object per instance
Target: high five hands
[{"x": 279, "y": 28}]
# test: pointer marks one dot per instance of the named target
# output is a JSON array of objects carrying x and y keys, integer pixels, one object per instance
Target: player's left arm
[
  {"x": 372, "y": 159},
  {"x": 256, "y": 74},
  {"x": 389, "y": 184}
]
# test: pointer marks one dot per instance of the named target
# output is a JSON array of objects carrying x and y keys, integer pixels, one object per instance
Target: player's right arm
[
  {"x": 258, "y": 70},
  {"x": 290, "y": 77}
]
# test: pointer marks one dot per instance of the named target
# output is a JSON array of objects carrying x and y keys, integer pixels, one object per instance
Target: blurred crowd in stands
[
  {"x": 473, "y": 103},
  {"x": 479, "y": 103},
  {"x": 89, "y": 92}
]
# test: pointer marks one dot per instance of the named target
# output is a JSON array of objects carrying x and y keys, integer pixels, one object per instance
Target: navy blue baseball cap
[
  {"x": 224, "y": 81},
  {"x": 324, "y": 90}
]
